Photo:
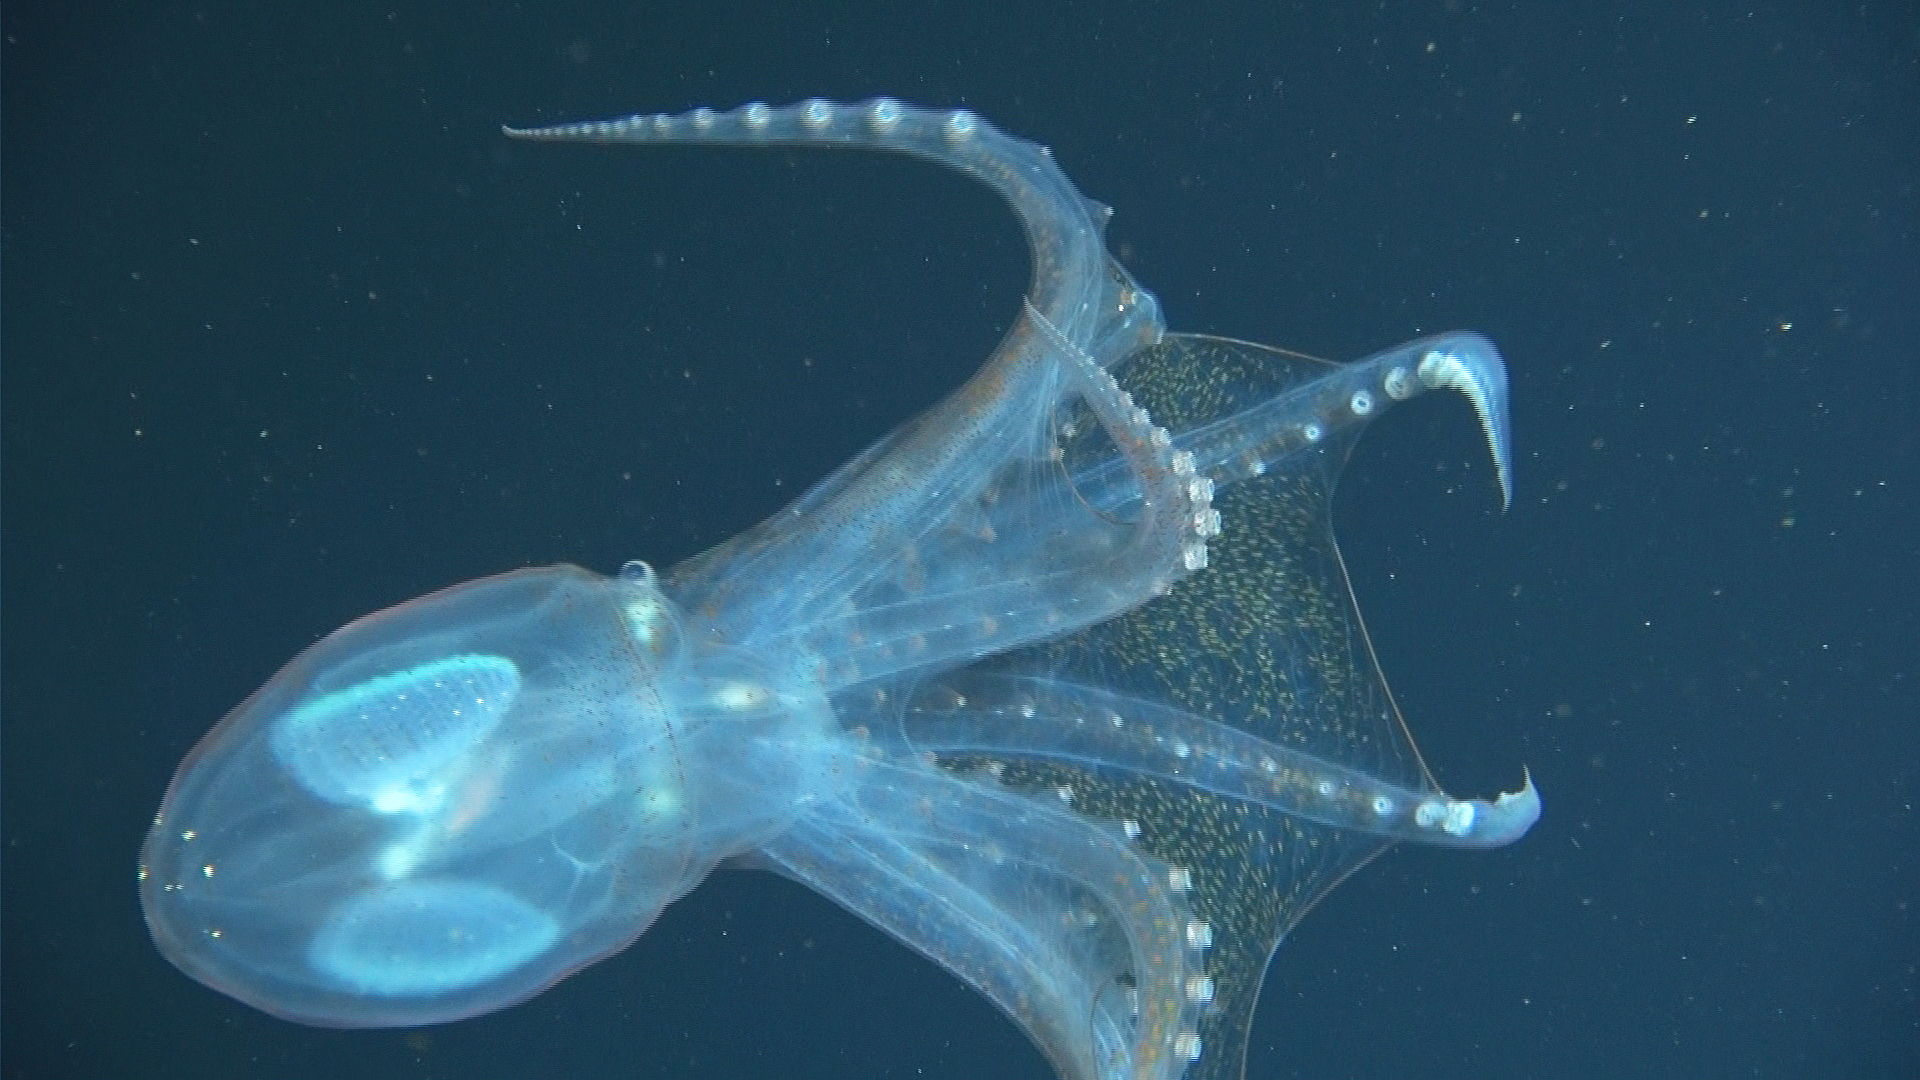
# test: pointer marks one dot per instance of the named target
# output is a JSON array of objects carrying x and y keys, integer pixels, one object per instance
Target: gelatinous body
[{"x": 1060, "y": 683}]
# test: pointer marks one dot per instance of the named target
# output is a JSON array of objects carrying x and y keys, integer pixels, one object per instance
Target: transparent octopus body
[{"x": 1061, "y": 684}]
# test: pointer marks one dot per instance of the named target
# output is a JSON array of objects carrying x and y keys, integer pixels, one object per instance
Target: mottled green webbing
[{"x": 1266, "y": 639}]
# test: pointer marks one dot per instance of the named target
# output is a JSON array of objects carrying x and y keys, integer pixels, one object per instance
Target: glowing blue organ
[{"x": 379, "y": 743}]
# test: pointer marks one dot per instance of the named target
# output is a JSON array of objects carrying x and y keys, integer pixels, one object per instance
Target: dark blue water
[{"x": 291, "y": 333}]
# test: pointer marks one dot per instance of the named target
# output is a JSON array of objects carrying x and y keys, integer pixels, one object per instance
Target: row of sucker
[
  {"x": 1066, "y": 923},
  {"x": 1179, "y": 515},
  {"x": 881, "y": 502},
  {"x": 1171, "y": 989},
  {"x": 1049, "y": 719},
  {"x": 1341, "y": 400},
  {"x": 1064, "y": 229},
  {"x": 901, "y": 619}
]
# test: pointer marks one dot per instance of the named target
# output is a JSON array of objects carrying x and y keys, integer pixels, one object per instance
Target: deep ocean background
[{"x": 291, "y": 333}]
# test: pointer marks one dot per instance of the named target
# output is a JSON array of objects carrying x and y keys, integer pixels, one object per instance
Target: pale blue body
[{"x": 444, "y": 808}]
